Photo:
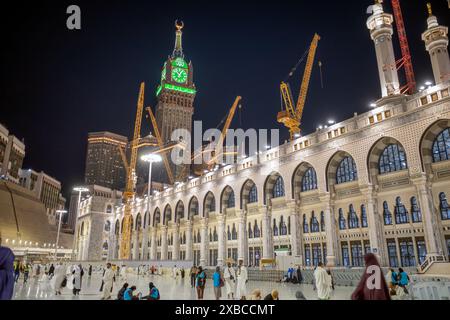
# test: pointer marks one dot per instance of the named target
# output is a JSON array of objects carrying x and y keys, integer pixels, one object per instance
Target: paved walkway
[{"x": 170, "y": 289}]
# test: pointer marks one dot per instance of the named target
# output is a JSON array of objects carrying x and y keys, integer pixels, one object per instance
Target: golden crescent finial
[
  {"x": 430, "y": 11},
  {"x": 179, "y": 26}
]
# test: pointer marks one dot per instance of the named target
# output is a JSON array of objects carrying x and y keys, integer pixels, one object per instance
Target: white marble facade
[{"x": 352, "y": 183}]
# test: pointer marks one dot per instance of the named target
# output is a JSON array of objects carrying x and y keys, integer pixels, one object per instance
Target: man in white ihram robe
[
  {"x": 229, "y": 276},
  {"x": 323, "y": 282},
  {"x": 58, "y": 278},
  {"x": 242, "y": 278},
  {"x": 108, "y": 279}
]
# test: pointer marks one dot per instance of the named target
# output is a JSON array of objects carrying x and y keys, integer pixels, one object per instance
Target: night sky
[{"x": 58, "y": 85}]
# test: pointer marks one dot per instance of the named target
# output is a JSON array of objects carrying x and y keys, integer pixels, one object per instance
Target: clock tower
[{"x": 175, "y": 95}]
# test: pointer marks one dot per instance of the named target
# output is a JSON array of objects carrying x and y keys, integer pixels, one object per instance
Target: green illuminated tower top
[{"x": 175, "y": 93}]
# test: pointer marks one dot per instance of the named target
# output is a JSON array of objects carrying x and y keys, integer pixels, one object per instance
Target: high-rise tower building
[
  {"x": 175, "y": 96},
  {"x": 436, "y": 43},
  {"x": 104, "y": 165}
]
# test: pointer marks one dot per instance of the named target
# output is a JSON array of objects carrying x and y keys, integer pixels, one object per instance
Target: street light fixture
[
  {"x": 150, "y": 158},
  {"x": 61, "y": 212}
]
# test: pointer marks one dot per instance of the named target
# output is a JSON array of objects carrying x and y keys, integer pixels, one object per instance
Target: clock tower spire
[{"x": 175, "y": 94}]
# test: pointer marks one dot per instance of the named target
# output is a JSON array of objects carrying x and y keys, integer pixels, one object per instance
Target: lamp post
[
  {"x": 150, "y": 158},
  {"x": 79, "y": 190},
  {"x": 61, "y": 212}
]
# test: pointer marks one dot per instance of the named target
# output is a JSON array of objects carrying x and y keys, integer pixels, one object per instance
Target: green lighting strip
[
  {"x": 175, "y": 88},
  {"x": 180, "y": 89}
]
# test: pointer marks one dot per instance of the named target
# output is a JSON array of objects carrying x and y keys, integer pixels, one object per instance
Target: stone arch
[
  {"x": 138, "y": 222},
  {"x": 332, "y": 167},
  {"x": 193, "y": 208},
  {"x": 225, "y": 198},
  {"x": 269, "y": 185},
  {"x": 373, "y": 158},
  {"x": 167, "y": 214},
  {"x": 109, "y": 208},
  {"x": 297, "y": 178},
  {"x": 179, "y": 211},
  {"x": 156, "y": 217},
  {"x": 245, "y": 192},
  {"x": 209, "y": 204},
  {"x": 427, "y": 141}
]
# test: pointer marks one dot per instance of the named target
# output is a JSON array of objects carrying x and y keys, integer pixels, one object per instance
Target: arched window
[
  {"x": 109, "y": 209},
  {"x": 401, "y": 214},
  {"x": 278, "y": 188},
  {"x": 416, "y": 215},
  {"x": 305, "y": 224},
  {"x": 210, "y": 236},
  {"x": 387, "y": 216},
  {"x": 309, "y": 181},
  {"x": 184, "y": 237},
  {"x": 283, "y": 227},
  {"x": 195, "y": 238},
  {"x": 342, "y": 225},
  {"x": 314, "y": 223},
  {"x": 392, "y": 159},
  {"x": 250, "y": 233},
  {"x": 275, "y": 228},
  {"x": 199, "y": 237},
  {"x": 228, "y": 233},
  {"x": 107, "y": 225},
  {"x": 215, "y": 235},
  {"x": 253, "y": 195},
  {"x": 353, "y": 222},
  {"x": 234, "y": 233},
  {"x": 444, "y": 207},
  {"x": 441, "y": 146},
  {"x": 364, "y": 223},
  {"x": 289, "y": 225},
  {"x": 322, "y": 222},
  {"x": 105, "y": 245},
  {"x": 346, "y": 171},
  {"x": 231, "y": 202},
  {"x": 256, "y": 231}
]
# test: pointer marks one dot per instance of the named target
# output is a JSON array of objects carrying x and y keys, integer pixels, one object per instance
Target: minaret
[
  {"x": 436, "y": 42},
  {"x": 381, "y": 30}
]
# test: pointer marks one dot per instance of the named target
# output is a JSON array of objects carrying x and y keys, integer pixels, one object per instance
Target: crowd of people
[{"x": 229, "y": 282}]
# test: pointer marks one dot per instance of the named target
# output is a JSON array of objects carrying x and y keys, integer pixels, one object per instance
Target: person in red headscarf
[{"x": 372, "y": 285}]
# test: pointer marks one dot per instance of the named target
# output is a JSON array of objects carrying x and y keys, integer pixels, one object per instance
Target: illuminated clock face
[{"x": 179, "y": 75}]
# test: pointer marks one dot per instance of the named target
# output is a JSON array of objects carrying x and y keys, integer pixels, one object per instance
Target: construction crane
[
  {"x": 214, "y": 159},
  {"x": 405, "y": 61},
  {"x": 128, "y": 194},
  {"x": 291, "y": 117},
  {"x": 160, "y": 144},
  {"x": 219, "y": 146}
]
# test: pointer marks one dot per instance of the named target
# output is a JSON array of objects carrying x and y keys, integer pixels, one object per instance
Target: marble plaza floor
[{"x": 170, "y": 289}]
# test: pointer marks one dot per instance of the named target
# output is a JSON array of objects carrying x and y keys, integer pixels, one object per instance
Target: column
[
  {"x": 176, "y": 243},
  {"x": 242, "y": 236},
  {"x": 221, "y": 234},
  {"x": 296, "y": 238},
  {"x": 204, "y": 243},
  {"x": 330, "y": 229},
  {"x": 153, "y": 247},
  {"x": 144, "y": 250},
  {"x": 135, "y": 253},
  {"x": 429, "y": 216},
  {"x": 164, "y": 246},
  {"x": 189, "y": 255},
  {"x": 375, "y": 222},
  {"x": 267, "y": 234}
]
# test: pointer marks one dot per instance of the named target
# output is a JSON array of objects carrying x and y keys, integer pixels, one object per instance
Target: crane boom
[
  {"x": 125, "y": 247},
  {"x": 404, "y": 46},
  {"x": 219, "y": 146},
  {"x": 306, "y": 78},
  {"x": 160, "y": 144}
]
